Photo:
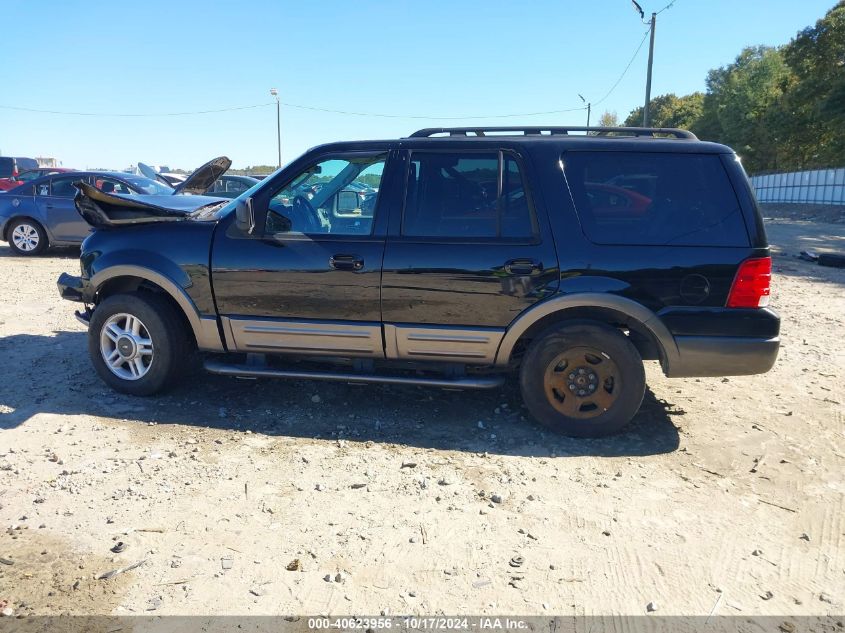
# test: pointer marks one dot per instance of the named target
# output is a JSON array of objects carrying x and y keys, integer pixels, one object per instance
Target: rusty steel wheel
[
  {"x": 582, "y": 378},
  {"x": 582, "y": 382}
]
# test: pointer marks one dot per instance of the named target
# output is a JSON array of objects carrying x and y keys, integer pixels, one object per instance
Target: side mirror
[{"x": 245, "y": 216}]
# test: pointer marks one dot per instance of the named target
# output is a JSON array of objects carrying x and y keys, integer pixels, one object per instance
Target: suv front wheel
[
  {"x": 137, "y": 343},
  {"x": 582, "y": 379}
]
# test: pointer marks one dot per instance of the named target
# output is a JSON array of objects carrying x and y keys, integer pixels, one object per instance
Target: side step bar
[{"x": 250, "y": 371}]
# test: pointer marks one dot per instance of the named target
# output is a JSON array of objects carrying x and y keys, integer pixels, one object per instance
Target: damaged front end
[{"x": 101, "y": 210}]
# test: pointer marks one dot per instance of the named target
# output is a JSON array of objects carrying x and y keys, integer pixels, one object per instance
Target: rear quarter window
[{"x": 656, "y": 199}]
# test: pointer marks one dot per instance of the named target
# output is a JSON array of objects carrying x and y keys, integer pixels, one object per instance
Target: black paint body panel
[{"x": 453, "y": 282}]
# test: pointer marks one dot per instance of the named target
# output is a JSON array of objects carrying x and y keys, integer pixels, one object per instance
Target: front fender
[{"x": 204, "y": 328}]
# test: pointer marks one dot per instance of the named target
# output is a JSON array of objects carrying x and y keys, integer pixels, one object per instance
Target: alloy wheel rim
[
  {"x": 126, "y": 346},
  {"x": 25, "y": 237},
  {"x": 582, "y": 382}
]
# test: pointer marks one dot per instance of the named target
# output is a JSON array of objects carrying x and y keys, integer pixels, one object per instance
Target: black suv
[{"x": 569, "y": 255}]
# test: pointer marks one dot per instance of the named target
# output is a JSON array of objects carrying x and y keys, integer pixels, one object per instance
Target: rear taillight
[{"x": 752, "y": 283}]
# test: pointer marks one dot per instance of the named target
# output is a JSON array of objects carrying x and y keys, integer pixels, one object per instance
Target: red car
[
  {"x": 13, "y": 180},
  {"x": 610, "y": 201}
]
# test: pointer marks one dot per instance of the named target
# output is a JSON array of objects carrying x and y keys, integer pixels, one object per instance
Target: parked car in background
[
  {"x": 231, "y": 186},
  {"x": 171, "y": 179},
  {"x": 42, "y": 213},
  {"x": 32, "y": 174},
  {"x": 197, "y": 182},
  {"x": 11, "y": 168},
  {"x": 522, "y": 250}
]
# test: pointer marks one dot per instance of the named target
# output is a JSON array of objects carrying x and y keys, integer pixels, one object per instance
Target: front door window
[{"x": 336, "y": 196}]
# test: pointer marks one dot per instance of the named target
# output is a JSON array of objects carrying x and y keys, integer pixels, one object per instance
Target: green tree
[
  {"x": 608, "y": 119},
  {"x": 741, "y": 107},
  {"x": 669, "y": 110},
  {"x": 813, "y": 109}
]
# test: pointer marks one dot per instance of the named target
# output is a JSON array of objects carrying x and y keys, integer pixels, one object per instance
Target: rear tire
[
  {"x": 583, "y": 379},
  {"x": 27, "y": 237},
  {"x": 138, "y": 343}
]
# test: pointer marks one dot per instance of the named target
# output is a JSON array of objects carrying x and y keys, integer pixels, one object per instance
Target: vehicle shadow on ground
[
  {"x": 58, "y": 252},
  {"x": 53, "y": 375}
]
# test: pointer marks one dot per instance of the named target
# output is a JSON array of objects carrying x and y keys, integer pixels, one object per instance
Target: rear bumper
[{"x": 723, "y": 356}]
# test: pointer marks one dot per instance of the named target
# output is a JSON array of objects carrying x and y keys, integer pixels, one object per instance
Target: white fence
[{"x": 820, "y": 186}]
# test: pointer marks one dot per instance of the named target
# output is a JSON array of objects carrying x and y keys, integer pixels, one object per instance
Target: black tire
[
  {"x": 833, "y": 260},
  {"x": 43, "y": 241},
  {"x": 164, "y": 326},
  {"x": 613, "y": 379}
]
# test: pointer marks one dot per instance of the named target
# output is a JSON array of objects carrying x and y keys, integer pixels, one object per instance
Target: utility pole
[
  {"x": 275, "y": 93},
  {"x": 646, "y": 113},
  {"x": 589, "y": 105}
]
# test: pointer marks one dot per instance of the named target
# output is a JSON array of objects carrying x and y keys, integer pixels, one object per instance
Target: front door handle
[
  {"x": 523, "y": 266},
  {"x": 346, "y": 262}
]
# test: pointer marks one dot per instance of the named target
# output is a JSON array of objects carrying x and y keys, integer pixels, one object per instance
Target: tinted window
[
  {"x": 7, "y": 166},
  {"x": 654, "y": 199},
  {"x": 336, "y": 196},
  {"x": 454, "y": 195},
  {"x": 63, "y": 187},
  {"x": 234, "y": 186},
  {"x": 110, "y": 185}
]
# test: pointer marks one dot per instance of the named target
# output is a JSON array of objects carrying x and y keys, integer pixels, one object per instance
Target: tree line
[{"x": 781, "y": 108}]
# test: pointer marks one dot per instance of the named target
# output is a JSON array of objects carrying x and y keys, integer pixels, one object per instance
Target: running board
[{"x": 248, "y": 371}]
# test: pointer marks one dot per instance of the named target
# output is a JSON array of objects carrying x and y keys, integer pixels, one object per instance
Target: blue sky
[{"x": 416, "y": 59}]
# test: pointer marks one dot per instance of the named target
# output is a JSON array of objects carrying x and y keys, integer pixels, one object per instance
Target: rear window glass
[{"x": 654, "y": 199}]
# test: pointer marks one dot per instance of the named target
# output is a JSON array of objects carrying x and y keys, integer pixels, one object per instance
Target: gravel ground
[{"x": 240, "y": 497}]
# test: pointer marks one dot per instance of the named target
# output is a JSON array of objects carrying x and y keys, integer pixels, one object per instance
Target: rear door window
[
  {"x": 647, "y": 198},
  {"x": 467, "y": 195},
  {"x": 63, "y": 187}
]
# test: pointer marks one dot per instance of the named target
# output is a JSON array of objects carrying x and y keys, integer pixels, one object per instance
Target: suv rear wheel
[
  {"x": 582, "y": 379},
  {"x": 137, "y": 343}
]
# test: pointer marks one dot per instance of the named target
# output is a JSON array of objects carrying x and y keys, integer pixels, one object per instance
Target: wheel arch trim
[
  {"x": 205, "y": 329},
  {"x": 645, "y": 317}
]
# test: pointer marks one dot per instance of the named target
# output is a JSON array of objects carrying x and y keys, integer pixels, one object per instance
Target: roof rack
[{"x": 554, "y": 131}]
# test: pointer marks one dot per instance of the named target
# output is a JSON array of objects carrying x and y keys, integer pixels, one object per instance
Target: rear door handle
[
  {"x": 346, "y": 262},
  {"x": 523, "y": 266}
]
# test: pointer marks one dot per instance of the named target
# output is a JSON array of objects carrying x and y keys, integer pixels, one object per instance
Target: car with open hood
[
  {"x": 42, "y": 212},
  {"x": 199, "y": 182}
]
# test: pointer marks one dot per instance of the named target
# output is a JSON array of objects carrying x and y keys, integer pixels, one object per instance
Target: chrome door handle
[
  {"x": 346, "y": 262},
  {"x": 523, "y": 266}
]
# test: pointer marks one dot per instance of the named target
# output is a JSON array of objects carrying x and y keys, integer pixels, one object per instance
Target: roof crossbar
[{"x": 553, "y": 131}]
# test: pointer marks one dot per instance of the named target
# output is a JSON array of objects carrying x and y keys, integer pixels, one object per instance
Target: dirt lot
[{"x": 725, "y": 495}]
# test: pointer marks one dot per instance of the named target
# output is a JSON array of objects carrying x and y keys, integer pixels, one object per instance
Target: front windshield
[{"x": 148, "y": 186}]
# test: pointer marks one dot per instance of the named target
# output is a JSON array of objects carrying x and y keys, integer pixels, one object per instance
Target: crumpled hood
[{"x": 101, "y": 209}]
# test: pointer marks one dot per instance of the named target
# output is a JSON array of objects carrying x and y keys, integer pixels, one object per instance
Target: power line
[
  {"x": 289, "y": 105},
  {"x": 668, "y": 6},
  {"x": 625, "y": 72},
  {"x": 431, "y": 118},
  {"x": 131, "y": 114}
]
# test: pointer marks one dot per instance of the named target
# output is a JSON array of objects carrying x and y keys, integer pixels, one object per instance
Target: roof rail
[{"x": 553, "y": 131}]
